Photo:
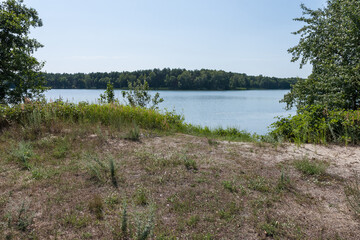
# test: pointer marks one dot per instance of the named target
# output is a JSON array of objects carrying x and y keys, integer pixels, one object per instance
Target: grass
[
  {"x": 133, "y": 134},
  {"x": 310, "y": 167},
  {"x": 352, "y": 191},
  {"x": 96, "y": 206},
  {"x": 101, "y": 170},
  {"x": 141, "y": 196},
  {"x": 83, "y": 180},
  {"x": 229, "y": 185},
  {"x": 22, "y": 154}
]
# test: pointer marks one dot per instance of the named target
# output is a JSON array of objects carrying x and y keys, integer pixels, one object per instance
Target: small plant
[
  {"x": 124, "y": 221},
  {"x": 96, "y": 206},
  {"x": 21, "y": 219},
  {"x": 230, "y": 210},
  {"x": 212, "y": 142},
  {"x": 284, "y": 182},
  {"x": 24, "y": 219},
  {"x": 75, "y": 220},
  {"x": 141, "y": 196},
  {"x": 113, "y": 172},
  {"x": 352, "y": 192},
  {"x": 145, "y": 227},
  {"x": 100, "y": 171},
  {"x": 133, "y": 134},
  {"x": 271, "y": 229},
  {"x": 259, "y": 184},
  {"x": 23, "y": 153},
  {"x": 61, "y": 149},
  {"x": 112, "y": 200},
  {"x": 32, "y": 124},
  {"x": 189, "y": 163},
  {"x": 310, "y": 168},
  {"x": 229, "y": 185},
  {"x": 193, "y": 221}
]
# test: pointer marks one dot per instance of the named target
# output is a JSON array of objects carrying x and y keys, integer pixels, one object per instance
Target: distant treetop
[{"x": 172, "y": 79}]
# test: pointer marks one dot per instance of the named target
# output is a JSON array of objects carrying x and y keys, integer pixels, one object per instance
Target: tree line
[{"x": 171, "y": 79}]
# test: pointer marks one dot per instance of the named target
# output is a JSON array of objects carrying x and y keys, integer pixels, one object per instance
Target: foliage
[
  {"x": 20, "y": 76},
  {"x": 174, "y": 79},
  {"x": 316, "y": 124},
  {"x": 330, "y": 42},
  {"x": 138, "y": 95},
  {"x": 109, "y": 95}
]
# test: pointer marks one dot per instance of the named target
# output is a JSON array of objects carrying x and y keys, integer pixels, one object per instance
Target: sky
[{"x": 244, "y": 36}]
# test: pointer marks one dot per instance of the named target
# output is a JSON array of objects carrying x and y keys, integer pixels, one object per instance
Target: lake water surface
[{"x": 251, "y": 110}]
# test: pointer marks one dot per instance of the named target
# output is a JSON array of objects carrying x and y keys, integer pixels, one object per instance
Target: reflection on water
[{"x": 252, "y": 110}]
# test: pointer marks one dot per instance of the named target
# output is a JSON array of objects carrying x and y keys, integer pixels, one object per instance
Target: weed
[
  {"x": 200, "y": 236},
  {"x": 271, "y": 229},
  {"x": 284, "y": 182},
  {"x": 133, "y": 134},
  {"x": 352, "y": 191},
  {"x": 229, "y": 185},
  {"x": 145, "y": 226},
  {"x": 112, "y": 172},
  {"x": 102, "y": 135},
  {"x": 61, "y": 148},
  {"x": 124, "y": 221},
  {"x": 96, "y": 168},
  {"x": 310, "y": 168},
  {"x": 21, "y": 218},
  {"x": 32, "y": 124},
  {"x": 212, "y": 142},
  {"x": 112, "y": 200},
  {"x": 100, "y": 171},
  {"x": 259, "y": 184},
  {"x": 23, "y": 153},
  {"x": 96, "y": 206},
  {"x": 38, "y": 173},
  {"x": 190, "y": 164},
  {"x": 141, "y": 197},
  {"x": 230, "y": 210},
  {"x": 76, "y": 221},
  {"x": 193, "y": 221}
]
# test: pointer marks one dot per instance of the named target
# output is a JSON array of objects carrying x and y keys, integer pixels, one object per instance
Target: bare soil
[{"x": 185, "y": 187}]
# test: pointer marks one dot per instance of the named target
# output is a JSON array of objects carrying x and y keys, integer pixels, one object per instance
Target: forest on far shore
[{"x": 169, "y": 79}]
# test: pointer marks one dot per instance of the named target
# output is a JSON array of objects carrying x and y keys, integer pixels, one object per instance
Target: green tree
[
  {"x": 330, "y": 41},
  {"x": 20, "y": 75},
  {"x": 139, "y": 96},
  {"x": 109, "y": 95}
]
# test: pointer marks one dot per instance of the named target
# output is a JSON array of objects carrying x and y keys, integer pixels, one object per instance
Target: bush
[{"x": 315, "y": 124}]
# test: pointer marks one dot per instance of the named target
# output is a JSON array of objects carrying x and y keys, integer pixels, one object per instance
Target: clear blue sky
[{"x": 246, "y": 36}]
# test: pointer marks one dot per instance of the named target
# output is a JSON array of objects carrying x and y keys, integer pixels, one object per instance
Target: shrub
[
  {"x": 138, "y": 95},
  {"x": 315, "y": 124}
]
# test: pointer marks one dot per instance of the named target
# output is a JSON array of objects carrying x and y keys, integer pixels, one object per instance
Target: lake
[{"x": 250, "y": 110}]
